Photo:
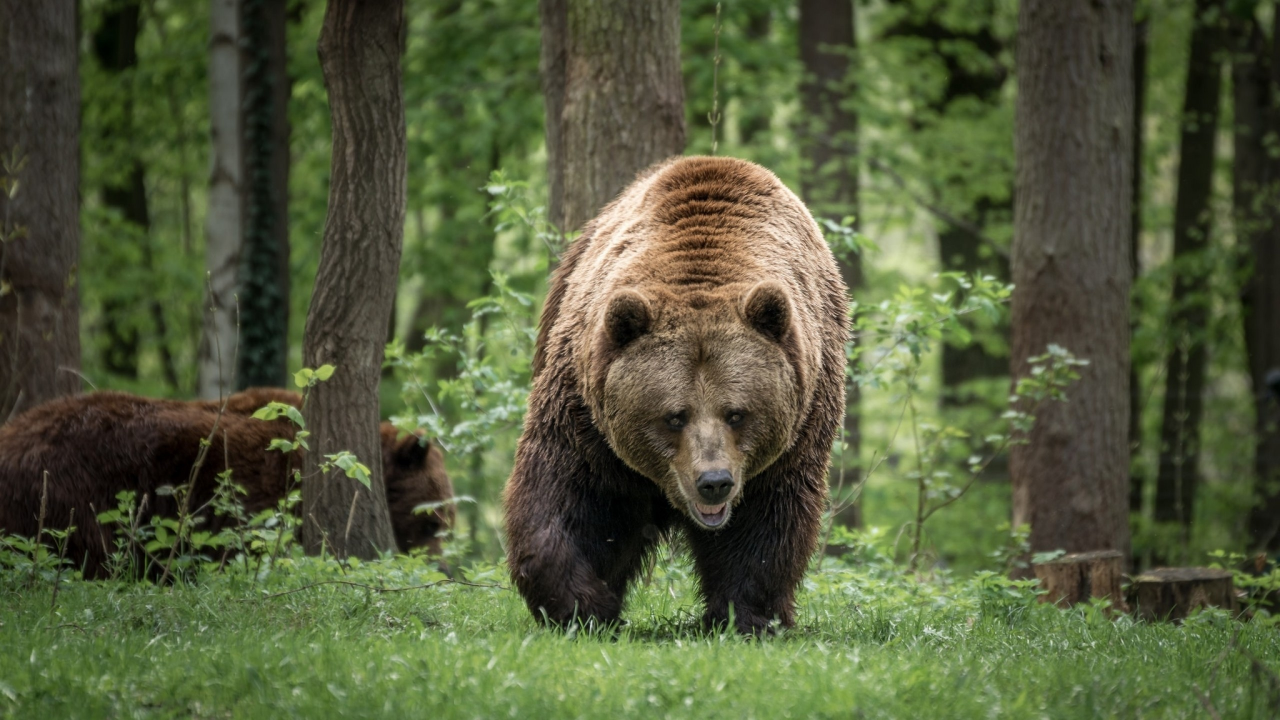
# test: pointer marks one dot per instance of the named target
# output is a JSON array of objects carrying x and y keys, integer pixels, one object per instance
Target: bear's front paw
[{"x": 744, "y": 620}]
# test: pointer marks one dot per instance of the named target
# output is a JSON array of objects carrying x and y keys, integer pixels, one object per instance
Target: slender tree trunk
[
  {"x": 1070, "y": 261},
  {"x": 224, "y": 224},
  {"x": 1255, "y": 79},
  {"x": 828, "y": 39},
  {"x": 1140, "y": 42},
  {"x": 39, "y": 141},
  {"x": 1178, "y": 475},
  {"x": 361, "y": 43},
  {"x": 264, "y": 269},
  {"x": 622, "y": 107},
  {"x": 115, "y": 47}
]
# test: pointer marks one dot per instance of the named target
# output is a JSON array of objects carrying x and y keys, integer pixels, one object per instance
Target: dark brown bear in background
[
  {"x": 689, "y": 374},
  {"x": 93, "y": 446}
]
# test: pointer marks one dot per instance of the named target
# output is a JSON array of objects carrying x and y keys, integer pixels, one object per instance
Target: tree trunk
[
  {"x": 553, "y": 68},
  {"x": 1178, "y": 474},
  {"x": 622, "y": 107},
  {"x": 1077, "y": 577},
  {"x": 39, "y": 139},
  {"x": 224, "y": 224},
  {"x": 1172, "y": 593},
  {"x": 1255, "y": 78},
  {"x": 1140, "y": 42},
  {"x": 115, "y": 47},
  {"x": 828, "y": 39},
  {"x": 1070, "y": 261},
  {"x": 361, "y": 43},
  {"x": 264, "y": 269}
]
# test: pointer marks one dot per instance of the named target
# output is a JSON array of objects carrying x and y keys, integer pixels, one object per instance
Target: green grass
[{"x": 869, "y": 643}]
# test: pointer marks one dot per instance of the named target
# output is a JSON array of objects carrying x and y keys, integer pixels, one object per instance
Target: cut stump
[
  {"x": 1172, "y": 593},
  {"x": 1076, "y": 577}
]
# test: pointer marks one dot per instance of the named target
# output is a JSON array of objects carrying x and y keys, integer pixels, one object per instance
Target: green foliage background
[{"x": 475, "y": 255}]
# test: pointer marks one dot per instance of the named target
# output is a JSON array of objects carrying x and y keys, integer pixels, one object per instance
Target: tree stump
[
  {"x": 1076, "y": 577},
  {"x": 1172, "y": 593}
]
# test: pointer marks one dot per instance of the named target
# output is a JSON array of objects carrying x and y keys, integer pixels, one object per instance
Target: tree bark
[
  {"x": 361, "y": 43},
  {"x": 828, "y": 39},
  {"x": 1172, "y": 593},
  {"x": 39, "y": 128},
  {"x": 1255, "y": 79},
  {"x": 264, "y": 269},
  {"x": 1140, "y": 43},
  {"x": 623, "y": 98},
  {"x": 1178, "y": 475},
  {"x": 224, "y": 223},
  {"x": 1077, "y": 577},
  {"x": 1070, "y": 261}
]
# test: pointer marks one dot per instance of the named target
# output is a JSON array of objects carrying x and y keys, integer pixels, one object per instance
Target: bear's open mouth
[{"x": 711, "y": 515}]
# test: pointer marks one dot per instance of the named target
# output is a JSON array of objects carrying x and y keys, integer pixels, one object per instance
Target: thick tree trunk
[
  {"x": 264, "y": 269},
  {"x": 1178, "y": 475},
  {"x": 361, "y": 43},
  {"x": 622, "y": 107},
  {"x": 1140, "y": 42},
  {"x": 1255, "y": 79},
  {"x": 39, "y": 138},
  {"x": 828, "y": 39},
  {"x": 224, "y": 224},
  {"x": 1070, "y": 266}
]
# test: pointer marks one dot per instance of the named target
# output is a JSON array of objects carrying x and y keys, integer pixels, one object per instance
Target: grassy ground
[{"x": 869, "y": 644}]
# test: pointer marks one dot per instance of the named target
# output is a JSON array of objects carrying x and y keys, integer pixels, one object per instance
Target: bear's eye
[
  {"x": 735, "y": 417},
  {"x": 676, "y": 421}
]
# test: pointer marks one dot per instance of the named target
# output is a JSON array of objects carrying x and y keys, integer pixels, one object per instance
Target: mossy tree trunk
[
  {"x": 828, "y": 40},
  {"x": 39, "y": 138},
  {"x": 1178, "y": 475},
  {"x": 614, "y": 98},
  {"x": 1070, "y": 265},
  {"x": 264, "y": 265},
  {"x": 361, "y": 43}
]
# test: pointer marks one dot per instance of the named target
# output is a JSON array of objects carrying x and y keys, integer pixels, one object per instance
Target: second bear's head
[{"x": 699, "y": 393}]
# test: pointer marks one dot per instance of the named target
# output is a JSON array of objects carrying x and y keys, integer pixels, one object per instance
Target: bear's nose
[{"x": 714, "y": 486}]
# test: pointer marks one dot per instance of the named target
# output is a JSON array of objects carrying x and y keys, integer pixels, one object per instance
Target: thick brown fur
[
  {"x": 94, "y": 446},
  {"x": 699, "y": 324}
]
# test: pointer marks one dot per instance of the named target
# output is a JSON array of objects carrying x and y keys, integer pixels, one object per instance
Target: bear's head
[
  {"x": 416, "y": 485},
  {"x": 699, "y": 396}
]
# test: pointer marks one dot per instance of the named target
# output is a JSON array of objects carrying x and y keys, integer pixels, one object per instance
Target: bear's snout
[{"x": 715, "y": 486}]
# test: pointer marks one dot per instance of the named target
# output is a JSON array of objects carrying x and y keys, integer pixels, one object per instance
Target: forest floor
[{"x": 869, "y": 642}]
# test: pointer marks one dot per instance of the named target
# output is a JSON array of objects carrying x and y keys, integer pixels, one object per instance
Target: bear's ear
[
  {"x": 627, "y": 318},
  {"x": 766, "y": 308},
  {"x": 411, "y": 451}
]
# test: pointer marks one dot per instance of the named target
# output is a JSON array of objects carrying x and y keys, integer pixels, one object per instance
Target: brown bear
[
  {"x": 93, "y": 446},
  {"x": 689, "y": 374}
]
